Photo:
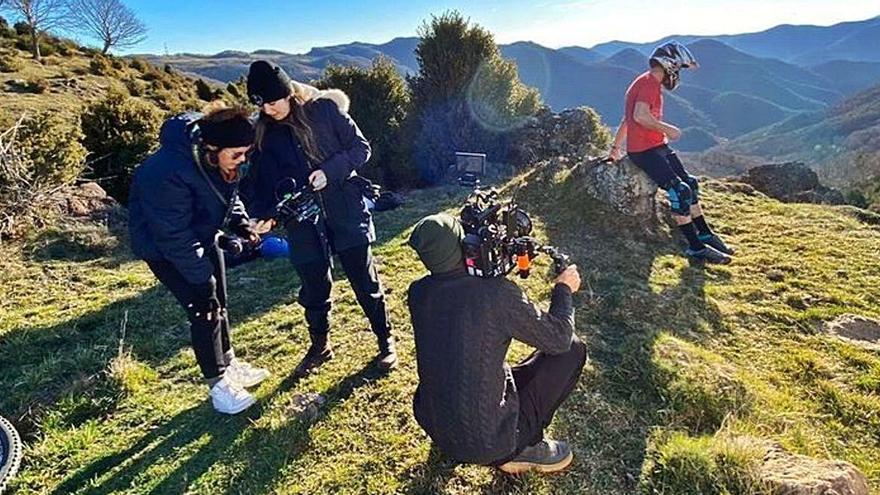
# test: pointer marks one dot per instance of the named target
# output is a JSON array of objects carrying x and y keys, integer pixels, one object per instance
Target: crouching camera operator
[
  {"x": 474, "y": 406},
  {"x": 181, "y": 197}
]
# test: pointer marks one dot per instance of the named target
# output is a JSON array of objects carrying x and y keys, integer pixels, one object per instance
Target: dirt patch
[{"x": 858, "y": 329}]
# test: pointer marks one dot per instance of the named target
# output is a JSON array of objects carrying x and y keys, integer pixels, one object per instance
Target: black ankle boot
[
  {"x": 387, "y": 358},
  {"x": 319, "y": 353}
]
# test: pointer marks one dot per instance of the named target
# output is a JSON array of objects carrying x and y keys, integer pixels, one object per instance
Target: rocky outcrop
[
  {"x": 622, "y": 186},
  {"x": 573, "y": 133},
  {"x": 792, "y": 474},
  {"x": 792, "y": 182}
]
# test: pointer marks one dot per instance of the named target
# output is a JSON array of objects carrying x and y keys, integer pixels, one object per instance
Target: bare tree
[
  {"x": 109, "y": 21},
  {"x": 41, "y": 16}
]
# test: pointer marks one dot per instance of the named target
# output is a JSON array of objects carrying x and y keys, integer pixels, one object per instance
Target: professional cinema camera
[
  {"x": 497, "y": 238},
  {"x": 295, "y": 204}
]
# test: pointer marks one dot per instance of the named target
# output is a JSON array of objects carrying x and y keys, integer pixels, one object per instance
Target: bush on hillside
[
  {"x": 100, "y": 66},
  {"x": 379, "y": 103},
  {"x": 10, "y": 63},
  {"x": 38, "y": 155},
  {"x": 120, "y": 131},
  {"x": 465, "y": 97}
]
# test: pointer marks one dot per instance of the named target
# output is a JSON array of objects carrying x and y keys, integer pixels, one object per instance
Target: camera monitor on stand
[{"x": 471, "y": 167}]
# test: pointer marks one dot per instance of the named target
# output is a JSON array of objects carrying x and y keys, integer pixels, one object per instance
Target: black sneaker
[
  {"x": 314, "y": 358},
  {"x": 387, "y": 358},
  {"x": 715, "y": 241},
  {"x": 546, "y": 456},
  {"x": 709, "y": 255}
]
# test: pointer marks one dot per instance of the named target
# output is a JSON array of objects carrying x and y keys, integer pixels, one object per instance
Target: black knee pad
[
  {"x": 578, "y": 350},
  {"x": 694, "y": 184},
  {"x": 680, "y": 197}
]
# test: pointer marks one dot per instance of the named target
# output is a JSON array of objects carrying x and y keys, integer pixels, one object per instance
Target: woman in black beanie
[
  {"x": 181, "y": 197},
  {"x": 307, "y": 135}
]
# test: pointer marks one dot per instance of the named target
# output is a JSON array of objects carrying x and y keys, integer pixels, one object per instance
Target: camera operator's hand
[
  {"x": 616, "y": 153},
  {"x": 247, "y": 231},
  {"x": 204, "y": 303},
  {"x": 318, "y": 180},
  {"x": 570, "y": 277},
  {"x": 264, "y": 226}
]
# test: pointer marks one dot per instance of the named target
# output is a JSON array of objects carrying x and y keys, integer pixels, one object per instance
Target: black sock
[
  {"x": 702, "y": 226},
  {"x": 690, "y": 233}
]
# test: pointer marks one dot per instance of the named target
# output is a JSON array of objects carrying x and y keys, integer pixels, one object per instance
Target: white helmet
[{"x": 673, "y": 56}]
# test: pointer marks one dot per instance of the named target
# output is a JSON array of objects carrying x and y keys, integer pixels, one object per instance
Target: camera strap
[{"x": 225, "y": 202}]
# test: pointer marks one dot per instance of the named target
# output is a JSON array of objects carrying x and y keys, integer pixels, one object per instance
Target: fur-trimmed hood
[{"x": 308, "y": 93}]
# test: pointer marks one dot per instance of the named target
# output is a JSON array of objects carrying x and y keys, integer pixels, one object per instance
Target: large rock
[
  {"x": 623, "y": 186},
  {"x": 89, "y": 201},
  {"x": 792, "y": 474},
  {"x": 857, "y": 329},
  {"x": 792, "y": 182},
  {"x": 570, "y": 133}
]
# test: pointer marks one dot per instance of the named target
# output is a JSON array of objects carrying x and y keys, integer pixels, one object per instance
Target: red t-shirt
[{"x": 645, "y": 88}]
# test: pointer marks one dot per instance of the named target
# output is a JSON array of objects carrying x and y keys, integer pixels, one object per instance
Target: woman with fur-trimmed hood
[{"x": 306, "y": 134}]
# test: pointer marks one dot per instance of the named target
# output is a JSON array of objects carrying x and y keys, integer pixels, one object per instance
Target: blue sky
[{"x": 209, "y": 26}]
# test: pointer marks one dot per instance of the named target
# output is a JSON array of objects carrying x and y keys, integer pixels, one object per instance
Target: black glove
[{"x": 204, "y": 303}]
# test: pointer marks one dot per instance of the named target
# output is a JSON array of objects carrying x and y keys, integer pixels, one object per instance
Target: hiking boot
[
  {"x": 709, "y": 255},
  {"x": 387, "y": 358},
  {"x": 546, "y": 456},
  {"x": 319, "y": 353},
  {"x": 245, "y": 374},
  {"x": 715, "y": 241},
  {"x": 229, "y": 397}
]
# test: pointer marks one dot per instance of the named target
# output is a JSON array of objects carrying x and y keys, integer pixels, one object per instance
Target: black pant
[
  {"x": 210, "y": 338},
  {"x": 543, "y": 381},
  {"x": 314, "y": 294},
  {"x": 661, "y": 164}
]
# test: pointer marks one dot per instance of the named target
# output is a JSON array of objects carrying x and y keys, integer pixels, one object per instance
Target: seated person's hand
[
  {"x": 616, "y": 153},
  {"x": 570, "y": 277},
  {"x": 673, "y": 133},
  {"x": 318, "y": 180},
  {"x": 264, "y": 226}
]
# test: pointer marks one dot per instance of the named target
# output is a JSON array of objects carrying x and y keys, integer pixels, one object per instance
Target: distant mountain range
[{"x": 745, "y": 82}]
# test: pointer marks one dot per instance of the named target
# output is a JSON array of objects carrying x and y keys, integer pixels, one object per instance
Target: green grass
[{"x": 677, "y": 352}]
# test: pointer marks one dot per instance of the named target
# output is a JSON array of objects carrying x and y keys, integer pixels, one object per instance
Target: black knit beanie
[
  {"x": 236, "y": 132},
  {"x": 266, "y": 82}
]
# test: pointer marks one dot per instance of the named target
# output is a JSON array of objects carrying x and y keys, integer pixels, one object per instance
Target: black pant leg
[
  {"x": 357, "y": 262},
  {"x": 219, "y": 260},
  {"x": 206, "y": 335},
  {"x": 314, "y": 294},
  {"x": 543, "y": 381}
]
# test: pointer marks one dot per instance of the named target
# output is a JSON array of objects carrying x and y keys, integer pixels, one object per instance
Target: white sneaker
[
  {"x": 229, "y": 397},
  {"x": 244, "y": 374}
]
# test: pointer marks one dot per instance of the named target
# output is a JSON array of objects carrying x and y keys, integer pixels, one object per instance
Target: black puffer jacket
[{"x": 345, "y": 213}]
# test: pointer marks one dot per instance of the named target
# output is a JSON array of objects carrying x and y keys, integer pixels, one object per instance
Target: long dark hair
[{"x": 298, "y": 123}]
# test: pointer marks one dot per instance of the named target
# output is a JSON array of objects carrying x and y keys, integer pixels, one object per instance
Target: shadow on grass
[{"x": 229, "y": 438}]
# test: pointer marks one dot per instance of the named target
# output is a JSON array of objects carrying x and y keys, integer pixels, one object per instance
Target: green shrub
[
  {"x": 100, "y": 66},
  {"x": 466, "y": 97},
  {"x": 379, "y": 103},
  {"x": 139, "y": 65},
  {"x": 677, "y": 464},
  {"x": 120, "y": 131},
  {"x": 22, "y": 28},
  {"x": 53, "y": 145},
  {"x": 204, "y": 91},
  {"x": 38, "y": 85},
  {"x": 10, "y": 63}
]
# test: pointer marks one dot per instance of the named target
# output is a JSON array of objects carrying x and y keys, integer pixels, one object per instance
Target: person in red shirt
[{"x": 647, "y": 144}]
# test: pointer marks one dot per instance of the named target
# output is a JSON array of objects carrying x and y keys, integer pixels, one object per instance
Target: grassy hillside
[
  {"x": 71, "y": 76},
  {"x": 98, "y": 375},
  {"x": 842, "y": 143}
]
